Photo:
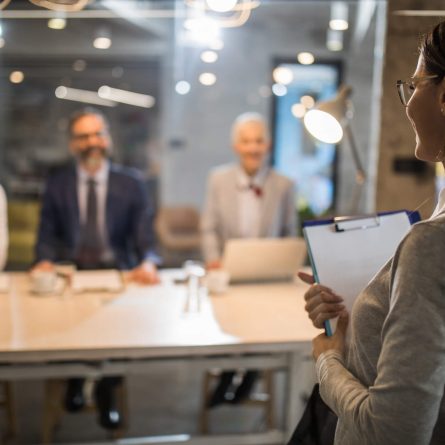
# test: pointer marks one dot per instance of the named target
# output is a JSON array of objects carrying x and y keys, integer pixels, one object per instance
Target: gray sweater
[{"x": 389, "y": 388}]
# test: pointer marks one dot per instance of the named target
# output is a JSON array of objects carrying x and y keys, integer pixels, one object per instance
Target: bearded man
[{"x": 97, "y": 215}]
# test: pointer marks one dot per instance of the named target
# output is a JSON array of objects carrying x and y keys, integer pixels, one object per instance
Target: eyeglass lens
[{"x": 407, "y": 90}]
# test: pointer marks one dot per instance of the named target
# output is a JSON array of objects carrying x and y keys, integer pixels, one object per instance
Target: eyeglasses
[
  {"x": 85, "y": 136},
  {"x": 406, "y": 88}
]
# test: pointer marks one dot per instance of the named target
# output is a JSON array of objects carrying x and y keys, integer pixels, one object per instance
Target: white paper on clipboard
[{"x": 346, "y": 253}]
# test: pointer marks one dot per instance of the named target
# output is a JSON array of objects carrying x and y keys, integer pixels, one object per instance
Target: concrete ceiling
[{"x": 141, "y": 38}]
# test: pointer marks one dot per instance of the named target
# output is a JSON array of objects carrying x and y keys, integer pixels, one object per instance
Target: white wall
[{"x": 202, "y": 119}]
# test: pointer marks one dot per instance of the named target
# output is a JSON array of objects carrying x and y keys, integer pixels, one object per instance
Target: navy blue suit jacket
[{"x": 129, "y": 217}]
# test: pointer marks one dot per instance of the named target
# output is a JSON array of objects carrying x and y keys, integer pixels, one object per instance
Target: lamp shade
[{"x": 326, "y": 121}]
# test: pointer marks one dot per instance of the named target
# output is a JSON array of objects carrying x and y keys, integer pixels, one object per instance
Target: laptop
[{"x": 263, "y": 259}]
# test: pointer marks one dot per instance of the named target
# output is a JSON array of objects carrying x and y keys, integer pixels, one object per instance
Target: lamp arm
[{"x": 360, "y": 175}]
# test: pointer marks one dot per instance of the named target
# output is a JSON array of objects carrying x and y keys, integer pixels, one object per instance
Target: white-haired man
[{"x": 245, "y": 200}]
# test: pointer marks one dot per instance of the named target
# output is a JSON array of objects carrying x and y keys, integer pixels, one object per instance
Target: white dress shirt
[
  {"x": 4, "y": 238},
  {"x": 249, "y": 202}
]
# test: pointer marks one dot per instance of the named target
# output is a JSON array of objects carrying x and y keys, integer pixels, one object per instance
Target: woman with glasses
[{"x": 387, "y": 385}]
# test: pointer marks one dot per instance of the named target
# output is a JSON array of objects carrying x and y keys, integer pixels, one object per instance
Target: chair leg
[
  {"x": 11, "y": 419},
  {"x": 122, "y": 399},
  {"x": 269, "y": 385},
  {"x": 52, "y": 409},
  {"x": 204, "y": 415}
]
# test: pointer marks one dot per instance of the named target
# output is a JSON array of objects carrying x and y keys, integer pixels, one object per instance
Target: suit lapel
[
  {"x": 232, "y": 207},
  {"x": 72, "y": 199},
  {"x": 111, "y": 200},
  {"x": 268, "y": 205}
]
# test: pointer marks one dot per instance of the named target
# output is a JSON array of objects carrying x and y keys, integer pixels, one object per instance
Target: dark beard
[
  {"x": 85, "y": 154},
  {"x": 93, "y": 162}
]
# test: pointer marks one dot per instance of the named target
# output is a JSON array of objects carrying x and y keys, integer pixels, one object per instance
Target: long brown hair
[{"x": 432, "y": 49}]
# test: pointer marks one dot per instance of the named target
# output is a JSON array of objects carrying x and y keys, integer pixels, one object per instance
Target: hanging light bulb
[
  {"x": 339, "y": 16},
  {"x": 61, "y": 5},
  {"x": 283, "y": 75},
  {"x": 58, "y": 21},
  {"x": 102, "y": 39}
]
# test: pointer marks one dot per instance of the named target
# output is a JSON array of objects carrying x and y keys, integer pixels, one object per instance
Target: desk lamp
[{"x": 329, "y": 122}]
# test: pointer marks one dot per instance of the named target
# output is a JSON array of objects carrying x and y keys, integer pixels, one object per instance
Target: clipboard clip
[{"x": 347, "y": 223}]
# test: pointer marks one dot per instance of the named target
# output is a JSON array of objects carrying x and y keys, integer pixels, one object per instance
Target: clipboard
[{"x": 346, "y": 252}]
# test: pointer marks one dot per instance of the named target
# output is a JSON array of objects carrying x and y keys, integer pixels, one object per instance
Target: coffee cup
[
  {"x": 217, "y": 281},
  {"x": 43, "y": 282}
]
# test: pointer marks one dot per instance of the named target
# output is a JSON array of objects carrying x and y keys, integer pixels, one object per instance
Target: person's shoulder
[
  {"x": 426, "y": 238},
  {"x": 126, "y": 174},
  {"x": 221, "y": 173},
  {"x": 280, "y": 179},
  {"x": 429, "y": 228}
]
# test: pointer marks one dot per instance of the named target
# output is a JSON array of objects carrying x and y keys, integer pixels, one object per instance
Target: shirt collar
[
  {"x": 244, "y": 181},
  {"x": 100, "y": 177}
]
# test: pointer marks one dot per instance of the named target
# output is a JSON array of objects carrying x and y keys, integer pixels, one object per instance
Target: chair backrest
[
  {"x": 23, "y": 215},
  {"x": 178, "y": 220}
]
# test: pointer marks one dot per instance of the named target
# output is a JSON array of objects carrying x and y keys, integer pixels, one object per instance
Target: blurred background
[{"x": 195, "y": 65}]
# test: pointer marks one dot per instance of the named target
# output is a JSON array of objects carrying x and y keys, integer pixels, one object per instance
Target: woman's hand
[
  {"x": 321, "y": 302},
  {"x": 322, "y": 343}
]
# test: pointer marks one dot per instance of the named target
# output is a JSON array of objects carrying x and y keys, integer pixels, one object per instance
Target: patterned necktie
[{"x": 91, "y": 246}]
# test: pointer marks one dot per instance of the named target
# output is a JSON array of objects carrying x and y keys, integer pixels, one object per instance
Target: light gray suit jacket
[{"x": 220, "y": 218}]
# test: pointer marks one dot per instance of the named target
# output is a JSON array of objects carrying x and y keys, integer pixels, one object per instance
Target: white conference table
[{"x": 261, "y": 326}]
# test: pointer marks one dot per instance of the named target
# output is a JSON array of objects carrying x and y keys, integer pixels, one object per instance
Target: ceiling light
[
  {"x": 209, "y": 56},
  {"x": 1, "y": 30},
  {"x": 307, "y": 101},
  {"x": 334, "y": 40},
  {"x": 298, "y": 110},
  {"x": 102, "y": 38},
  {"x": 84, "y": 96},
  {"x": 228, "y": 13},
  {"x": 283, "y": 75},
  {"x": 339, "y": 16},
  {"x": 338, "y": 25},
  {"x": 221, "y": 5},
  {"x": 16, "y": 77},
  {"x": 126, "y": 97},
  {"x": 305, "y": 58},
  {"x": 57, "y": 23},
  {"x": 102, "y": 42},
  {"x": 207, "y": 79},
  {"x": 279, "y": 90},
  {"x": 79, "y": 65},
  {"x": 182, "y": 87},
  {"x": 202, "y": 30},
  {"x": 420, "y": 13},
  {"x": 61, "y": 5}
]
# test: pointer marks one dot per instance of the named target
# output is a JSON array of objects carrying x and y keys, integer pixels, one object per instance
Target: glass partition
[{"x": 195, "y": 70}]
